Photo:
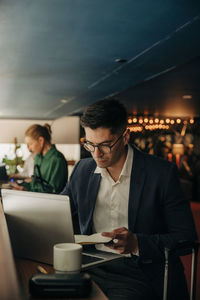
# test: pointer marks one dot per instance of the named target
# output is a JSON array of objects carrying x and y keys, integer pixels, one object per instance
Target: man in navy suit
[{"x": 135, "y": 199}]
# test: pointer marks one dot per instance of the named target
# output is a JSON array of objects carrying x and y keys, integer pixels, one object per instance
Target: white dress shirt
[
  {"x": 28, "y": 168},
  {"x": 111, "y": 209}
]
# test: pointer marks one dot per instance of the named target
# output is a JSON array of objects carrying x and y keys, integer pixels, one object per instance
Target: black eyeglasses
[{"x": 105, "y": 149}]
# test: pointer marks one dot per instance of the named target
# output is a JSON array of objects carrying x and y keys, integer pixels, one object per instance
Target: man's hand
[{"x": 123, "y": 241}]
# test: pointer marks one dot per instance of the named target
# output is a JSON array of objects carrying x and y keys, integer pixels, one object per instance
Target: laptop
[
  {"x": 3, "y": 174},
  {"x": 38, "y": 221}
]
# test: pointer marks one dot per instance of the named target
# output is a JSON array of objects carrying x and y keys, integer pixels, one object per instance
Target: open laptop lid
[
  {"x": 37, "y": 221},
  {"x": 3, "y": 174}
]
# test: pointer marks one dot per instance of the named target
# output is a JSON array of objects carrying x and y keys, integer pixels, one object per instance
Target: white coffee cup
[{"x": 67, "y": 257}]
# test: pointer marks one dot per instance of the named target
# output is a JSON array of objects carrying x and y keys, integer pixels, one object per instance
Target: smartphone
[{"x": 60, "y": 285}]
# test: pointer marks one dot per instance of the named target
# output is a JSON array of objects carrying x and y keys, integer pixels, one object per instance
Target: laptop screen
[
  {"x": 37, "y": 221},
  {"x": 3, "y": 173}
]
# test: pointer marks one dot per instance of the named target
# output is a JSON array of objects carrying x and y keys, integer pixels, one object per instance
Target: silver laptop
[
  {"x": 3, "y": 173},
  {"x": 37, "y": 221}
]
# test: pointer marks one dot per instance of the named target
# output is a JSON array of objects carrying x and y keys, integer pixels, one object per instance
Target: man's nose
[{"x": 97, "y": 152}]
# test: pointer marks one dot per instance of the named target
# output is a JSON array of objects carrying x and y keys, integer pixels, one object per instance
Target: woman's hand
[{"x": 15, "y": 186}]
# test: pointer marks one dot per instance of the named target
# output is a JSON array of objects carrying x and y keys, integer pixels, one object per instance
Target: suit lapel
[
  {"x": 136, "y": 187},
  {"x": 93, "y": 188}
]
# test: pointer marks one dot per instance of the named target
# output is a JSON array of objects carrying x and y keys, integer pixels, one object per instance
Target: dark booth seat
[{"x": 195, "y": 206}]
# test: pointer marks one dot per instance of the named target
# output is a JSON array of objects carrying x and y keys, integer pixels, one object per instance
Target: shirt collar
[
  {"x": 126, "y": 170},
  {"x": 49, "y": 153}
]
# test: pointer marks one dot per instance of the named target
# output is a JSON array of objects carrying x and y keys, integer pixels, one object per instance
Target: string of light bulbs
[{"x": 140, "y": 123}]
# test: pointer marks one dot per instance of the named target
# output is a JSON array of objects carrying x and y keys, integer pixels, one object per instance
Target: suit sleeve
[{"x": 177, "y": 218}]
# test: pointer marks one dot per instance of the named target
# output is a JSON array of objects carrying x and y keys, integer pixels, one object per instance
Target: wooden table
[
  {"x": 15, "y": 273},
  {"x": 27, "y": 268}
]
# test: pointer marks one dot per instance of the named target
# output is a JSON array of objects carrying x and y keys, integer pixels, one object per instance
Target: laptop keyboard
[{"x": 86, "y": 259}]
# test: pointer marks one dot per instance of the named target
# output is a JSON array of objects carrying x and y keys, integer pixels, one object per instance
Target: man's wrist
[{"x": 135, "y": 250}]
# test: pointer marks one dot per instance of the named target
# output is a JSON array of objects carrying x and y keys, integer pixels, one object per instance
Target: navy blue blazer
[{"x": 158, "y": 212}]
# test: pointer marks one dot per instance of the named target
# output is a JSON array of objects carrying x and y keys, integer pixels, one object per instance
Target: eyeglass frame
[{"x": 97, "y": 146}]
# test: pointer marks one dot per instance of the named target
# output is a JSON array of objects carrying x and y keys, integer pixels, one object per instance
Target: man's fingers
[
  {"x": 121, "y": 236},
  {"x": 120, "y": 249},
  {"x": 117, "y": 234},
  {"x": 108, "y": 234},
  {"x": 120, "y": 230}
]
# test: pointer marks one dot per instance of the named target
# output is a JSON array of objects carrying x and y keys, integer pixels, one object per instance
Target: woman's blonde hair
[{"x": 36, "y": 130}]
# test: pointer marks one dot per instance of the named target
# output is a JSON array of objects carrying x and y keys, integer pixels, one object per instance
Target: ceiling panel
[
  {"x": 164, "y": 94},
  {"x": 56, "y": 49}
]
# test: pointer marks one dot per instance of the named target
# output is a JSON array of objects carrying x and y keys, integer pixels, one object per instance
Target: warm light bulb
[
  {"x": 134, "y": 120},
  {"x": 129, "y": 120}
]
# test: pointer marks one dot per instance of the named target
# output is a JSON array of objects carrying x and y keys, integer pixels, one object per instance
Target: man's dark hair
[{"x": 107, "y": 114}]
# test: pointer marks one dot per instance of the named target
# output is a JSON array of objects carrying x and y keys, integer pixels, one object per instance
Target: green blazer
[{"x": 50, "y": 172}]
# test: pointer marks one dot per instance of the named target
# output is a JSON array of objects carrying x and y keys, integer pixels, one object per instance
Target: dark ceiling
[{"x": 57, "y": 56}]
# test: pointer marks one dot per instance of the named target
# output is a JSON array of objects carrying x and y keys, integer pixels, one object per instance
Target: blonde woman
[{"x": 50, "y": 165}]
